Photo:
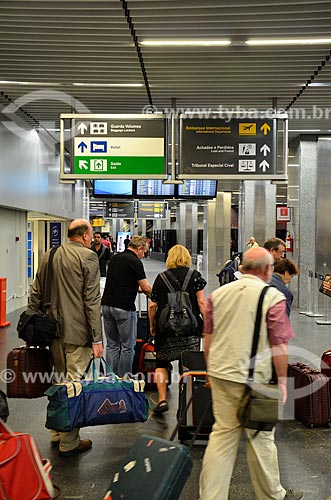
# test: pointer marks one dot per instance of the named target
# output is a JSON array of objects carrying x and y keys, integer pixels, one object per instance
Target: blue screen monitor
[
  {"x": 197, "y": 189},
  {"x": 105, "y": 188},
  {"x": 154, "y": 188}
]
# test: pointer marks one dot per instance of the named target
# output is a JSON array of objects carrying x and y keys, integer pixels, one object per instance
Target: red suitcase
[
  {"x": 31, "y": 372},
  {"x": 147, "y": 365},
  {"x": 23, "y": 472},
  {"x": 326, "y": 363},
  {"x": 313, "y": 409}
]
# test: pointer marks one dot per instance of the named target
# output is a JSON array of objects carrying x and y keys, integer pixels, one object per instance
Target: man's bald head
[
  {"x": 80, "y": 230},
  {"x": 257, "y": 261}
]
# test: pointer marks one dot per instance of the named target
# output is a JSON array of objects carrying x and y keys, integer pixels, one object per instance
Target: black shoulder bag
[
  {"x": 37, "y": 328},
  {"x": 261, "y": 406}
]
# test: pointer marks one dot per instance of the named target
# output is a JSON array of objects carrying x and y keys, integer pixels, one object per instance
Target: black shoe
[
  {"x": 293, "y": 495},
  {"x": 84, "y": 445},
  {"x": 161, "y": 407}
]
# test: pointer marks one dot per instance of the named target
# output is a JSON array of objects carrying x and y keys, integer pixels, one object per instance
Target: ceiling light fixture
[
  {"x": 287, "y": 41},
  {"x": 43, "y": 84},
  {"x": 108, "y": 84},
  {"x": 57, "y": 84},
  {"x": 185, "y": 43},
  {"x": 319, "y": 84}
]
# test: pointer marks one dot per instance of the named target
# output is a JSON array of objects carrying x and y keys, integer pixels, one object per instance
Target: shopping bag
[
  {"x": 99, "y": 398},
  {"x": 23, "y": 473}
]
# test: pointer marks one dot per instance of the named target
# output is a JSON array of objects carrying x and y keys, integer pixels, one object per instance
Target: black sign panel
[
  {"x": 120, "y": 209},
  {"x": 151, "y": 210},
  {"x": 238, "y": 147}
]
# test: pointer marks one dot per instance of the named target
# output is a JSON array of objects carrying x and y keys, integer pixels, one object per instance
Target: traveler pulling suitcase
[
  {"x": 31, "y": 369},
  {"x": 192, "y": 381},
  {"x": 313, "y": 409}
]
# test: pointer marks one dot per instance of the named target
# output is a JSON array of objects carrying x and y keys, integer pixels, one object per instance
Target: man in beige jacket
[{"x": 76, "y": 305}]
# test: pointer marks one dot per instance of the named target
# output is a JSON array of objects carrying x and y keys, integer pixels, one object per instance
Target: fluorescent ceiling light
[
  {"x": 319, "y": 84},
  {"x": 49, "y": 84},
  {"x": 306, "y": 130},
  {"x": 107, "y": 84},
  {"x": 44, "y": 84},
  {"x": 185, "y": 43},
  {"x": 287, "y": 41}
]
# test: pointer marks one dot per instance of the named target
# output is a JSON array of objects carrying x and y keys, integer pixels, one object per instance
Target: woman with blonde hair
[{"x": 169, "y": 348}]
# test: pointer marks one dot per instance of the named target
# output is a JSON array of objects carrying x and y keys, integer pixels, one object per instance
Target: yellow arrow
[{"x": 265, "y": 128}]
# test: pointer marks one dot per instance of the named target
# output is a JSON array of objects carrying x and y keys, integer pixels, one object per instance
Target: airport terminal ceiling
[{"x": 136, "y": 56}]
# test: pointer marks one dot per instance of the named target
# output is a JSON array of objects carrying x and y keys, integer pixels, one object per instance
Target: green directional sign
[
  {"x": 122, "y": 146},
  {"x": 119, "y": 165}
]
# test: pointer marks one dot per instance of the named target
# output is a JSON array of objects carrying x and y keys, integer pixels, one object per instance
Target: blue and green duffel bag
[{"x": 102, "y": 399}]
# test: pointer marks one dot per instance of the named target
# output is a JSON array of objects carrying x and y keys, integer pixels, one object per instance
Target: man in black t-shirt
[
  {"x": 102, "y": 252},
  {"x": 125, "y": 277}
]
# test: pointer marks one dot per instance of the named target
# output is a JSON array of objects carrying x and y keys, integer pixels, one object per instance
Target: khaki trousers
[
  {"x": 70, "y": 362},
  {"x": 223, "y": 445}
]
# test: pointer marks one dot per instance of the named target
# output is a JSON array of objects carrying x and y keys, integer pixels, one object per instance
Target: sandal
[{"x": 161, "y": 407}]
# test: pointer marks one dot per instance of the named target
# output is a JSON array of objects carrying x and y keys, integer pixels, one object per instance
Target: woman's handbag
[
  {"x": 261, "y": 406},
  {"x": 325, "y": 287},
  {"x": 102, "y": 399}
]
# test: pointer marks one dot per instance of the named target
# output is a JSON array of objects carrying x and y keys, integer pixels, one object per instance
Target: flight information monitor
[
  {"x": 197, "y": 189},
  {"x": 104, "y": 188},
  {"x": 152, "y": 188}
]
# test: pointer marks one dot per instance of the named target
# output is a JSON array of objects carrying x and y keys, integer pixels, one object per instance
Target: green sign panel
[
  {"x": 123, "y": 146},
  {"x": 119, "y": 165}
]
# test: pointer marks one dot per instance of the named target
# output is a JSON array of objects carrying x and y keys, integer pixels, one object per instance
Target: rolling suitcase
[
  {"x": 147, "y": 365},
  {"x": 326, "y": 363},
  {"x": 31, "y": 368},
  {"x": 155, "y": 468},
  {"x": 313, "y": 409},
  {"x": 143, "y": 321},
  {"x": 143, "y": 334},
  {"x": 192, "y": 381}
]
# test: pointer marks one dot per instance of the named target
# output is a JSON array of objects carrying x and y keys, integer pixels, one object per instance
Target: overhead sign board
[
  {"x": 152, "y": 210},
  {"x": 222, "y": 147},
  {"x": 120, "y": 209},
  {"x": 110, "y": 146}
]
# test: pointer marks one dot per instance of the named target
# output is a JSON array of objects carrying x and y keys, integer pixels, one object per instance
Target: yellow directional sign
[
  {"x": 97, "y": 222},
  {"x": 265, "y": 128},
  {"x": 247, "y": 128}
]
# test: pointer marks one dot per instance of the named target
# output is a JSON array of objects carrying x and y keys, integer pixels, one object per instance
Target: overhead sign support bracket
[{"x": 172, "y": 179}]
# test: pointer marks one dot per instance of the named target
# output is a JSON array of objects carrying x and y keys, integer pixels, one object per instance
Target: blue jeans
[{"x": 121, "y": 333}]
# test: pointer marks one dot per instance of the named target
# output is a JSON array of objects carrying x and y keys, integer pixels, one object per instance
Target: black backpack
[
  {"x": 227, "y": 273},
  {"x": 177, "y": 317}
]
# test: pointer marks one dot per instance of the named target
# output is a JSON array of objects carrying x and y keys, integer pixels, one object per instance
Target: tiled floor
[{"x": 304, "y": 454}]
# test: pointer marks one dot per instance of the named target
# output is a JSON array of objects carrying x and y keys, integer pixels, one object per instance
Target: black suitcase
[
  {"x": 154, "y": 468},
  {"x": 143, "y": 334},
  {"x": 313, "y": 409},
  {"x": 192, "y": 381},
  {"x": 143, "y": 321}
]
